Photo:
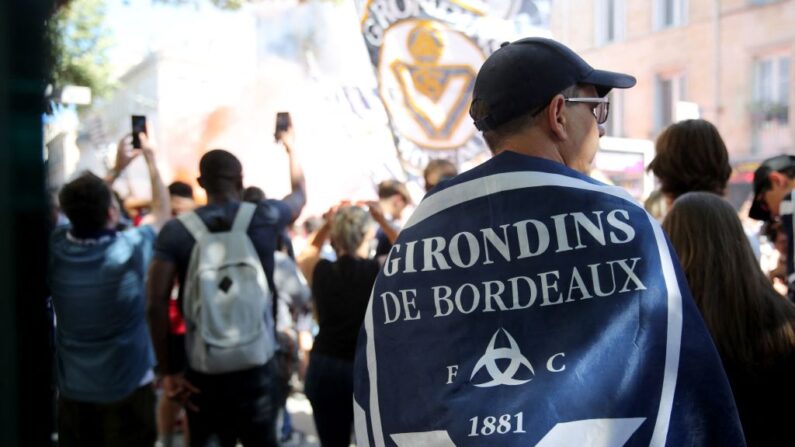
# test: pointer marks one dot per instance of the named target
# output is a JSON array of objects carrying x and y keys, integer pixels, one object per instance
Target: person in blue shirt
[{"x": 104, "y": 355}]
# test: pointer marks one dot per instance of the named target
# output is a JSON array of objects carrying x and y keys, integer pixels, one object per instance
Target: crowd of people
[
  {"x": 125, "y": 327},
  {"x": 199, "y": 321}
]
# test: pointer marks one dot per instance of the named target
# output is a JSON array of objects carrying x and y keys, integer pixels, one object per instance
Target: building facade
[{"x": 727, "y": 61}]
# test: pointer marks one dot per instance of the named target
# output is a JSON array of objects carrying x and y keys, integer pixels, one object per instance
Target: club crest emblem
[
  {"x": 427, "y": 72},
  {"x": 508, "y": 376}
]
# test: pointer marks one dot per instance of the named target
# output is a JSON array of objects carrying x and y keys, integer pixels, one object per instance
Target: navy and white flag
[
  {"x": 525, "y": 304},
  {"x": 426, "y": 54}
]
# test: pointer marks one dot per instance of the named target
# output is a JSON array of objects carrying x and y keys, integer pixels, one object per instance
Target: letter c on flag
[{"x": 551, "y": 367}]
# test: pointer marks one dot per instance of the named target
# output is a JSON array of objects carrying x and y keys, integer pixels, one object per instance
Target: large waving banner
[
  {"x": 426, "y": 54},
  {"x": 524, "y": 304}
]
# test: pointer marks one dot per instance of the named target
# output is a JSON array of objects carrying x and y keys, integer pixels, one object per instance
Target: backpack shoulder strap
[
  {"x": 194, "y": 224},
  {"x": 243, "y": 218}
]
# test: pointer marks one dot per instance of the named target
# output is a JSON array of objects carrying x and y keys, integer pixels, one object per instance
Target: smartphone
[
  {"x": 283, "y": 123},
  {"x": 138, "y": 126}
]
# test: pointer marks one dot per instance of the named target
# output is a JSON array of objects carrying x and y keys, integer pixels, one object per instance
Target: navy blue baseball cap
[{"x": 525, "y": 75}]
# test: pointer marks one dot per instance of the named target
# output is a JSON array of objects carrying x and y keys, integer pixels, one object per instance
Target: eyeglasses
[{"x": 600, "y": 110}]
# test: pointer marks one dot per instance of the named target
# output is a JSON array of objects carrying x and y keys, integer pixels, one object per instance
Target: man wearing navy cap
[
  {"x": 774, "y": 181},
  {"x": 531, "y": 97},
  {"x": 526, "y": 304}
]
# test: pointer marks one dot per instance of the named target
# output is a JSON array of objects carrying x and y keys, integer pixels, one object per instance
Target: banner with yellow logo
[{"x": 426, "y": 55}]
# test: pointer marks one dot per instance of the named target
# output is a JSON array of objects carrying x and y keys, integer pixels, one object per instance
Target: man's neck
[
  {"x": 534, "y": 144},
  {"x": 223, "y": 197},
  {"x": 92, "y": 236}
]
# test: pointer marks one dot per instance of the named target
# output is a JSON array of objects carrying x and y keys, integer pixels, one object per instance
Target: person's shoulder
[
  {"x": 516, "y": 169},
  {"x": 143, "y": 231},
  {"x": 273, "y": 205},
  {"x": 59, "y": 238},
  {"x": 272, "y": 211},
  {"x": 322, "y": 269},
  {"x": 371, "y": 265},
  {"x": 172, "y": 228},
  {"x": 368, "y": 265},
  {"x": 173, "y": 236},
  {"x": 144, "y": 234},
  {"x": 323, "y": 264}
]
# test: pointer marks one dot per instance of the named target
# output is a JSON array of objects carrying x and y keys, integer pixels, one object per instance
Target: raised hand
[{"x": 125, "y": 154}]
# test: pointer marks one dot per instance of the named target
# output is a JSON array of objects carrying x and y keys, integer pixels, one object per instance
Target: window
[
  {"x": 669, "y": 89},
  {"x": 771, "y": 78},
  {"x": 609, "y": 21},
  {"x": 614, "y": 127},
  {"x": 770, "y": 103},
  {"x": 669, "y": 13}
]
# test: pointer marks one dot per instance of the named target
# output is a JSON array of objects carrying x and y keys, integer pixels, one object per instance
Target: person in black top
[
  {"x": 341, "y": 291},
  {"x": 752, "y": 325}
]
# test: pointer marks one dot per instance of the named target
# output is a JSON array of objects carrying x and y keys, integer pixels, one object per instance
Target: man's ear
[
  {"x": 556, "y": 117},
  {"x": 778, "y": 179},
  {"x": 113, "y": 215}
]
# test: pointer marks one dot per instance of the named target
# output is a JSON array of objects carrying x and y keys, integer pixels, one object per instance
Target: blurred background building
[
  {"x": 727, "y": 61},
  {"x": 207, "y": 77}
]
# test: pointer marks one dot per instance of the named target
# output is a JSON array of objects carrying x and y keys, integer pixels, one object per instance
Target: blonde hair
[
  {"x": 749, "y": 321},
  {"x": 349, "y": 227}
]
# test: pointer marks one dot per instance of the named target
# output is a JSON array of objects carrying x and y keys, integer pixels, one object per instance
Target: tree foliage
[{"x": 79, "y": 41}]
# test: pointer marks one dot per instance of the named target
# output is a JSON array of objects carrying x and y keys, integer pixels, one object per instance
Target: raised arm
[
  {"x": 378, "y": 215},
  {"x": 160, "y": 281},
  {"x": 161, "y": 205},
  {"x": 297, "y": 197},
  {"x": 310, "y": 255},
  {"x": 125, "y": 154}
]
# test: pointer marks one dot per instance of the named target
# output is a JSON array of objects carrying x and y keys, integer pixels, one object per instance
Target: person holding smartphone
[
  {"x": 237, "y": 405},
  {"x": 104, "y": 352}
]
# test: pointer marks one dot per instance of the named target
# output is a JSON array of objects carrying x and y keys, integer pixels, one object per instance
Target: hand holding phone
[
  {"x": 138, "y": 126},
  {"x": 283, "y": 125}
]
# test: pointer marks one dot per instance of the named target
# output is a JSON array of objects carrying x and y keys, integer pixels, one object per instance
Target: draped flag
[
  {"x": 426, "y": 54},
  {"x": 525, "y": 304}
]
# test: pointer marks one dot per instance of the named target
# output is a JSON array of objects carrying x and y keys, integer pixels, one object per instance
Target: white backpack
[{"x": 226, "y": 298}]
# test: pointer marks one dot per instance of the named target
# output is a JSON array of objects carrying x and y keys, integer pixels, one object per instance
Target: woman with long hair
[{"x": 752, "y": 326}]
